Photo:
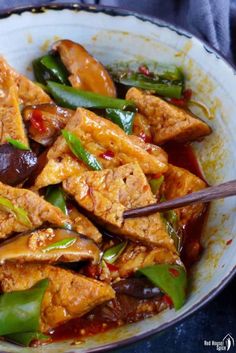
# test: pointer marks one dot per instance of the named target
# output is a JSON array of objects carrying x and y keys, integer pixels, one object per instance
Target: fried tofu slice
[
  {"x": 98, "y": 135},
  {"x": 11, "y": 123},
  {"x": 29, "y": 93},
  {"x": 136, "y": 256},
  {"x": 68, "y": 295},
  {"x": 167, "y": 121},
  {"x": 108, "y": 193},
  {"x": 42, "y": 246},
  {"x": 87, "y": 73},
  {"x": 38, "y": 211},
  {"x": 83, "y": 225},
  {"x": 180, "y": 182}
]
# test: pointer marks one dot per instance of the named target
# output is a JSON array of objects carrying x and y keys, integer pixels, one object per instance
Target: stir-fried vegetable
[
  {"x": 171, "y": 279},
  {"x": 167, "y": 82},
  {"x": 122, "y": 118},
  {"x": 73, "y": 98},
  {"x": 79, "y": 151},
  {"x": 174, "y": 234},
  {"x": 25, "y": 338},
  {"x": 112, "y": 254},
  {"x": 20, "y": 214},
  {"x": 17, "y": 144},
  {"x": 62, "y": 244},
  {"x": 50, "y": 67},
  {"x": 20, "y": 310},
  {"x": 156, "y": 183},
  {"x": 56, "y": 197}
]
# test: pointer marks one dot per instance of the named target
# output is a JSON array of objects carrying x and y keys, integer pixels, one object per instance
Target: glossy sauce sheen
[{"x": 182, "y": 156}]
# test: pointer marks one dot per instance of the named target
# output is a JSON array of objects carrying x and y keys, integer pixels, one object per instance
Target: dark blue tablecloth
[{"x": 214, "y": 21}]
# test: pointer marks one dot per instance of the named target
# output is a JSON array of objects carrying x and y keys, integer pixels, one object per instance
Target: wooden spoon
[{"x": 208, "y": 194}]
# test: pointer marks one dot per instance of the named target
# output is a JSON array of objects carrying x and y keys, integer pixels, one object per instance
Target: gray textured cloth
[{"x": 210, "y": 20}]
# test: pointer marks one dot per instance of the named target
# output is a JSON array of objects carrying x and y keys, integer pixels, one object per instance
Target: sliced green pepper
[
  {"x": 20, "y": 310},
  {"x": 171, "y": 279},
  {"x": 172, "y": 217},
  {"x": 62, "y": 244},
  {"x": 50, "y": 67},
  {"x": 20, "y": 214},
  {"x": 25, "y": 338},
  {"x": 163, "y": 89},
  {"x": 79, "y": 151},
  {"x": 156, "y": 184},
  {"x": 73, "y": 98},
  {"x": 56, "y": 197},
  {"x": 112, "y": 254},
  {"x": 17, "y": 144},
  {"x": 123, "y": 119},
  {"x": 174, "y": 235}
]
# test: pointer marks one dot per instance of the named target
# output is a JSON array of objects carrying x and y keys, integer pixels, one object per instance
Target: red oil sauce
[{"x": 180, "y": 155}]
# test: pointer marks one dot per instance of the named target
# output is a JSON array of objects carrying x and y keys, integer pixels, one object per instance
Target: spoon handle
[{"x": 208, "y": 194}]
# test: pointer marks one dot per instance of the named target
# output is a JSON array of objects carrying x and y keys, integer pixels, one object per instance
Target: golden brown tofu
[
  {"x": 108, "y": 193},
  {"x": 38, "y": 211},
  {"x": 11, "y": 124},
  {"x": 87, "y": 73},
  {"x": 141, "y": 128},
  {"x": 167, "y": 121},
  {"x": 43, "y": 245},
  {"x": 68, "y": 295},
  {"x": 137, "y": 256},
  {"x": 83, "y": 225},
  {"x": 98, "y": 135},
  {"x": 29, "y": 93},
  {"x": 179, "y": 182}
]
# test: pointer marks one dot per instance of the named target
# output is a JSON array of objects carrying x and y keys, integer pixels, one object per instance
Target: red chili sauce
[{"x": 182, "y": 156}]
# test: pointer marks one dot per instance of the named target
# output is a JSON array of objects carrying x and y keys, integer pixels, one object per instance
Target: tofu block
[
  {"x": 167, "y": 121},
  {"x": 108, "y": 193},
  {"x": 29, "y": 93},
  {"x": 68, "y": 295},
  {"x": 11, "y": 123},
  {"x": 98, "y": 135},
  {"x": 38, "y": 210},
  {"x": 180, "y": 182}
]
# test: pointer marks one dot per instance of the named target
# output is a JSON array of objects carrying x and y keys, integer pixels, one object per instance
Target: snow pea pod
[
  {"x": 25, "y": 338},
  {"x": 76, "y": 147},
  {"x": 20, "y": 310},
  {"x": 124, "y": 119},
  {"x": 50, "y": 67},
  {"x": 171, "y": 279},
  {"x": 73, "y": 98}
]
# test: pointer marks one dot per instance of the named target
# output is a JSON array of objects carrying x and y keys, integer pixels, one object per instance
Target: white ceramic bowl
[{"x": 114, "y": 35}]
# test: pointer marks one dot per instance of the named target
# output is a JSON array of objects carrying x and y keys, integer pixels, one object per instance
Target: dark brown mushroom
[{"x": 16, "y": 165}]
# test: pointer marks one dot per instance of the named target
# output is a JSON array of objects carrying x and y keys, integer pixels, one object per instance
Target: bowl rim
[{"x": 116, "y": 11}]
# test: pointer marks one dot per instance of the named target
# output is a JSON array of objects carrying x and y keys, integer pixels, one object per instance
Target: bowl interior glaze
[{"x": 114, "y": 35}]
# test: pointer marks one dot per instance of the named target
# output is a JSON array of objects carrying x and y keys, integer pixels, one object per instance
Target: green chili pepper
[
  {"x": 44, "y": 87},
  {"x": 50, "y": 67},
  {"x": 171, "y": 279},
  {"x": 20, "y": 310},
  {"x": 122, "y": 118},
  {"x": 20, "y": 214},
  {"x": 56, "y": 197},
  {"x": 62, "y": 244},
  {"x": 25, "y": 338},
  {"x": 73, "y": 98},
  {"x": 79, "y": 151},
  {"x": 112, "y": 254},
  {"x": 156, "y": 184},
  {"x": 163, "y": 89},
  {"x": 17, "y": 144},
  {"x": 172, "y": 217}
]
